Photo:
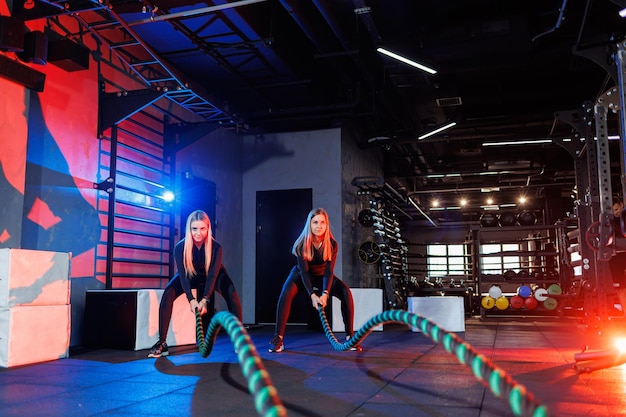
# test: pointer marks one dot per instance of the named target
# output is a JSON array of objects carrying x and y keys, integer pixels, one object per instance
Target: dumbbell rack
[{"x": 393, "y": 254}]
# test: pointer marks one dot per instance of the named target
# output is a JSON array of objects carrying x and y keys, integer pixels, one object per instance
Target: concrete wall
[
  {"x": 217, "y": 158},
  {"x": 289, "y": 161},
  {"x": 356, "y": 162}
]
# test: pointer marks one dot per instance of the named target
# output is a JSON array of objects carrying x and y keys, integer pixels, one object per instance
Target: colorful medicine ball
[
  {"x": 502, "y": 303},
  {"x": 530, "y": 303},
  {"x": 495, "y": 291},
  {"x": 488, "y": 302},
  {"x": 555, "y": 289},
  {"x": 541, "y": 294},
  {"x": 550, "y": 304},
  {"x": 516, "y": 302},
  {"x": 524, "y": 291}
]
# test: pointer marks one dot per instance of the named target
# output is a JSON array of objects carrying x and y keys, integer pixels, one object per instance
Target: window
[
  {"x": 499, "y": 264},
  {"x": 445, "y": 260}
]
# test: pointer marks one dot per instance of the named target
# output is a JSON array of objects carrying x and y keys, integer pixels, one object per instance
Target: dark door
[
  {"x": 280, "y": 216},
  {"x": 196, "y": 194}
]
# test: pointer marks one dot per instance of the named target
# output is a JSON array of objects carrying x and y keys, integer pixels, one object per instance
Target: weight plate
[
  {"x": 365, "y": 218},
  {"x": 369, "y": 252}
]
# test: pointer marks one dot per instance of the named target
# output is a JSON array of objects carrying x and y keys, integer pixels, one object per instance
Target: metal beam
[{"x": 194, "y": 13}]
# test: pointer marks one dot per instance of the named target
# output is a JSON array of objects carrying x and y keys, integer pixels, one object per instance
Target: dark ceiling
[{"x": 504, "y": 68}]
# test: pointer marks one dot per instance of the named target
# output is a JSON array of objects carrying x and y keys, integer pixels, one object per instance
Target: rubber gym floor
[{"x": 399, "y": 373}]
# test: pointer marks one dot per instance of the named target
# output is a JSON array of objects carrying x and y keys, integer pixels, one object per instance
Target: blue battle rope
[{"x": 268, "y": 404}]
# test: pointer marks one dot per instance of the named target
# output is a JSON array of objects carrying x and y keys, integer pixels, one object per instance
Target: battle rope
[
  {"x": 265, "y": 396},
  {"x": 522, "y": 402},
  {"x": 268, "y": 404}
]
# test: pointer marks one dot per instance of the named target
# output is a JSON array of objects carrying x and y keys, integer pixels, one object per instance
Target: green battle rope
[
  {"x": 522, "y": 402},
  {"x": 266, "y": 399}
]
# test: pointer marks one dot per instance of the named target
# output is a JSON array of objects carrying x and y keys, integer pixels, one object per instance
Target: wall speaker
[
  {"x": 68, "y": 55},
  {"x": 22, "y": 74},
  {"x": 11, "y": 34},
  {"x": 35, "y": 48}
]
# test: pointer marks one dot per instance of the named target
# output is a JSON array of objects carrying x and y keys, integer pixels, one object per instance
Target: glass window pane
[
  {"x": 490, "y": 248},
  {"x": 437, "y": 250},
  {"x": 455, "y": 250}
]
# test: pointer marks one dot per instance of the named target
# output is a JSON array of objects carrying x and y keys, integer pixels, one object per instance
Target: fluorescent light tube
[
  {"x": 518, "y": 142},
  {"x": 406, "y": 61},
  {"x": 439, "y": 129}
]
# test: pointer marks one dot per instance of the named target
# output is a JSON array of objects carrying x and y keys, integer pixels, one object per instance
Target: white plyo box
[
  {"x": 446, "y": 311},
  {"x": 182, "y": 330},
  {"x": 32, "y": 334},
  {"x": 34, "y": 278},
  {"x": 368, "y": 302}
]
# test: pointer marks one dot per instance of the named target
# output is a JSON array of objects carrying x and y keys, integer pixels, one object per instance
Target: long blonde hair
[
  {"x": 201, "y": 216},
  {"x": 303, "y": 246}
]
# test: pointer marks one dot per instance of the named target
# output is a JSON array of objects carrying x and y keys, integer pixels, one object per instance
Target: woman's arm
[
  {"x": 214, "y": 269},
  {"x": 184, "y": 279},
  {"x": 330, "y": 268},
  {"x": 305, "y": 273}
]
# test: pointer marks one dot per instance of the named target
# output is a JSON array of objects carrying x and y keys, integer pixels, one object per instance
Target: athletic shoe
[
  {"x": 276, "y": 344},
  {"x": 356, "y": 347},
  {"x": 159, "y": 349}
]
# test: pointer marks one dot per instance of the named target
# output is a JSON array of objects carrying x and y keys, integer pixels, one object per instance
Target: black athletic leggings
[
  {"x": 294, "y": 284},
  {"x": 174, "y": 289}
]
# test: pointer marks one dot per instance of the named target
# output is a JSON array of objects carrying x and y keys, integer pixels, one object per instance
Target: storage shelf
[{"x": 537, "y": 253}]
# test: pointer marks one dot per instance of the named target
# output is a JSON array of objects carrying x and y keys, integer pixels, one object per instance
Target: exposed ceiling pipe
[
  {"x": 520, "y": 171},
  {"x": 559, "y": 21},
  {"x": 418, "y": 208},
  {"x": 296, "y": 11},
  {"x": 535, "y": 175},
  {"x": 194, "y": 13},
  {"x": 340, "y": 34},
  {"x": 501, "y": 187}
]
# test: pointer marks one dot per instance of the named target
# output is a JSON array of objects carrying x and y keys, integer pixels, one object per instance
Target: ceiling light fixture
[
  {"x": 622, "y": 12},
  {"x": 518, "y": 142},
  {"x": 406, "y": 61},
  {"x": 439, "y": 129}
]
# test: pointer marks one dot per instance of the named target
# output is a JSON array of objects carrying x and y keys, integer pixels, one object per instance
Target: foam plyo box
[
  {"x": 34, "y": 278},
  {"x": 447, "y": 312},
  {"x": 129, "y": 319},
  {"x": 182, "y": 330},
  {"x": 368, "y": 302},
  {"x": 32, "y": 334}
]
